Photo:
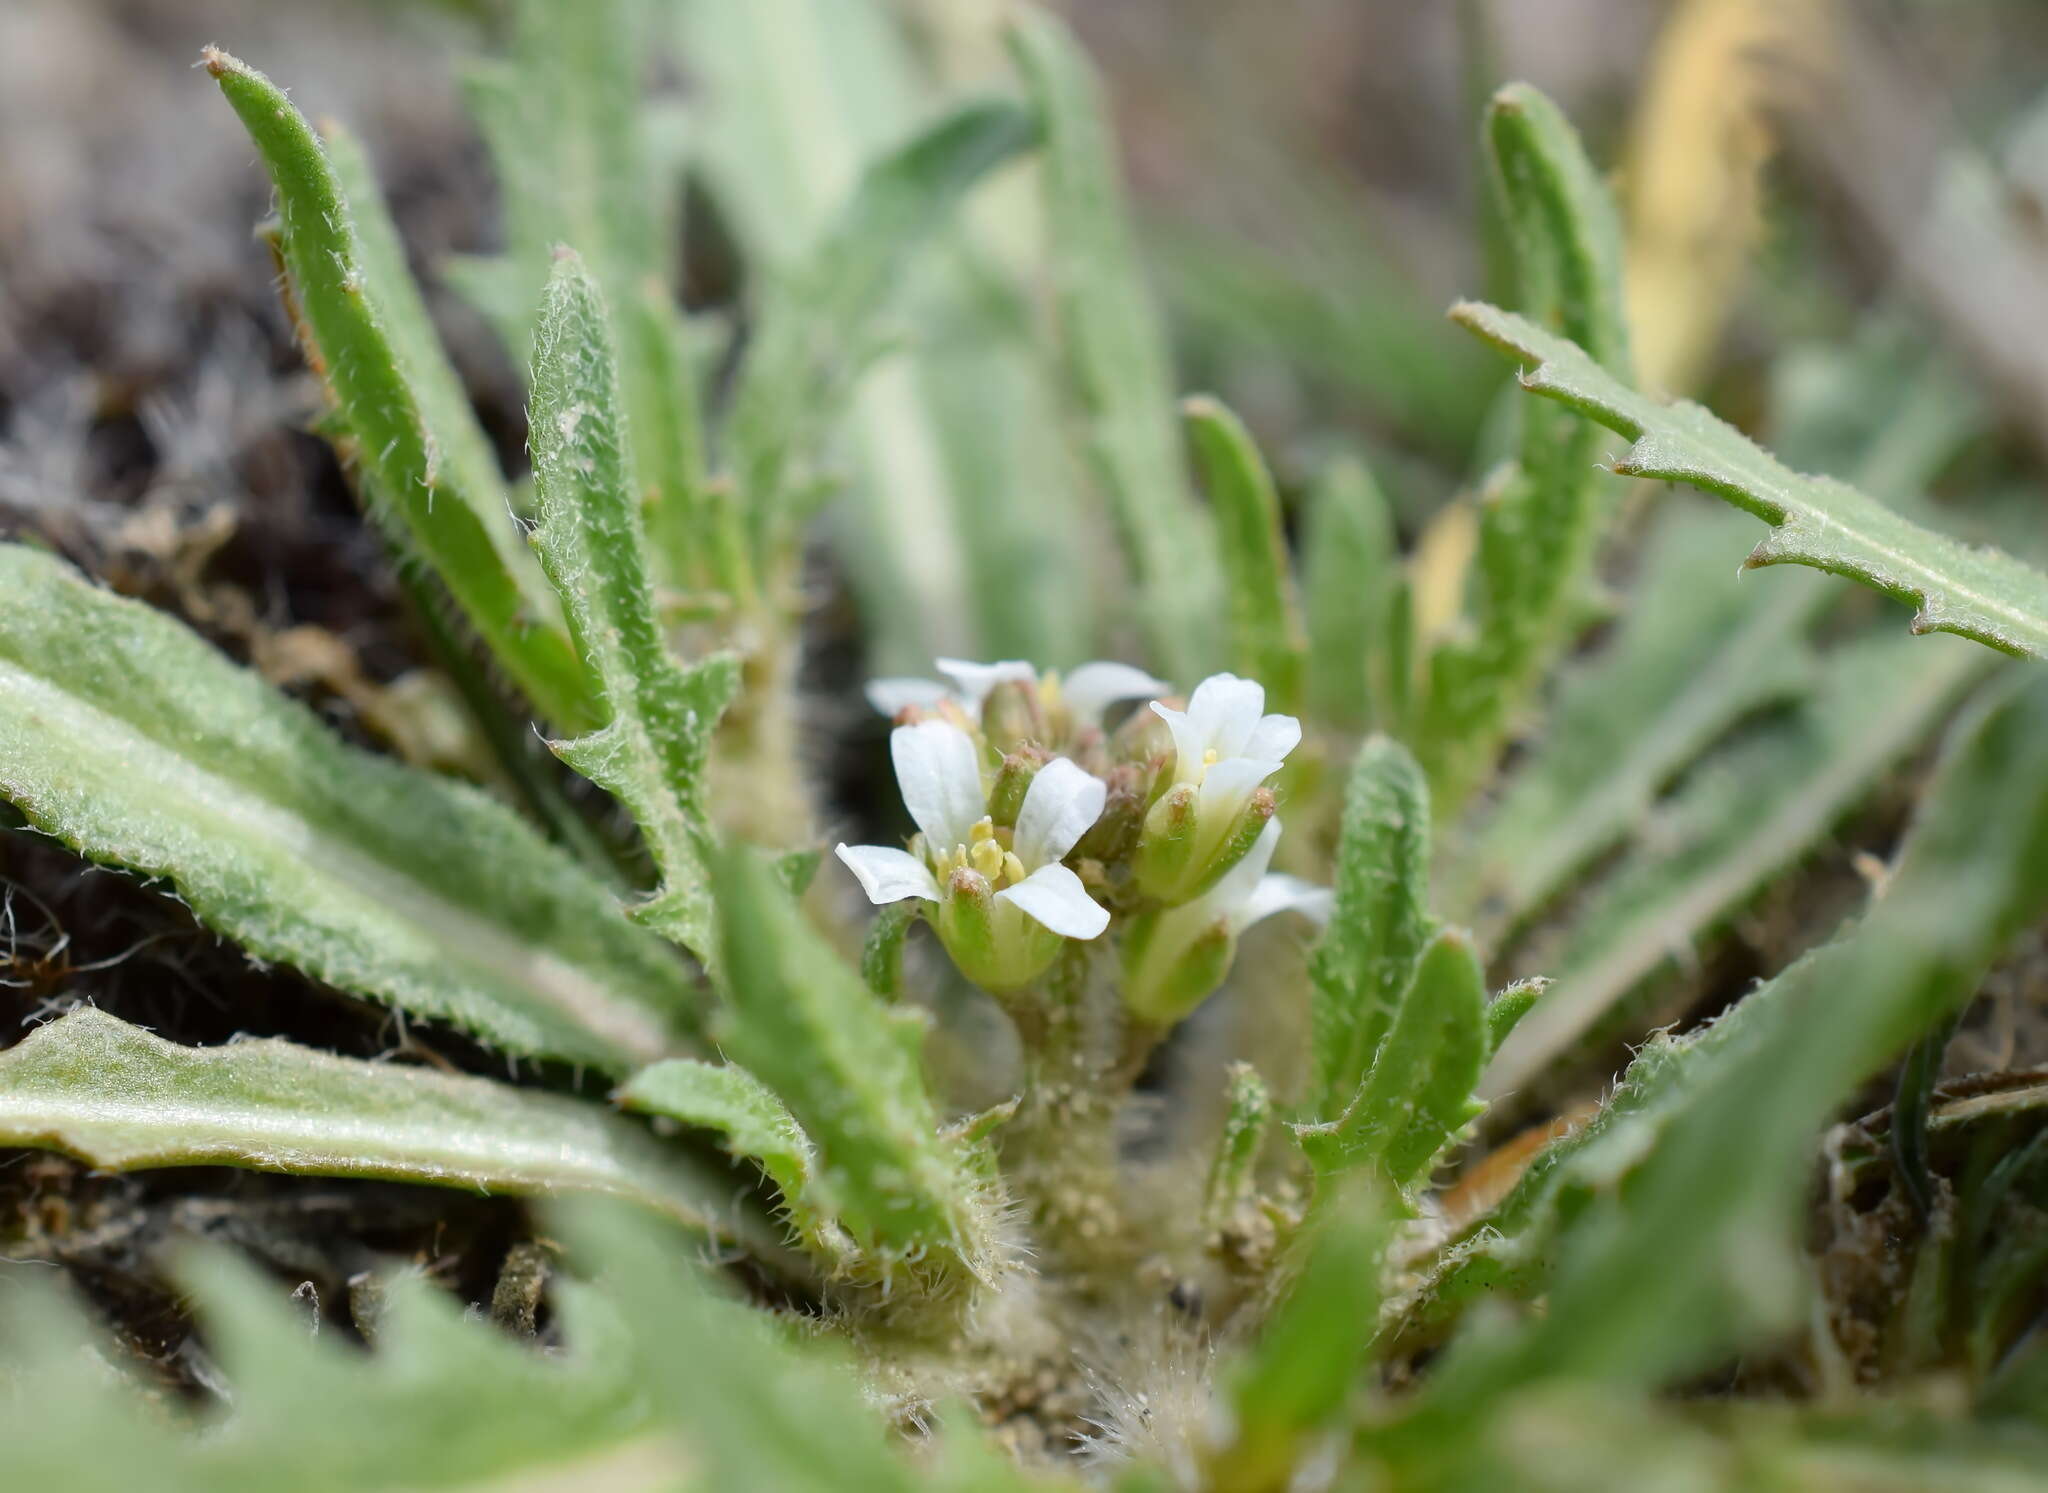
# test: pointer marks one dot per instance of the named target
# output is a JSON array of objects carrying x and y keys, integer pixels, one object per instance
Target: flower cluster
[{"x": 1035, "y": 825}]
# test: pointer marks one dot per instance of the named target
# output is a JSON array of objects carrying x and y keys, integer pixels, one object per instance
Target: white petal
[
  {"x": 1059, "y": 806},
  {"x": 1189, "y": 745},
  {"x": 1228, "y": 786},
  {"x": 1054, "y": 896},
  {"x": 1283, "y": 893},
  {"x": 1093, "y": 688},
  {"x": 888, "y": 875},
  {"x": 976, "y": 680},
  {"x": 1273, "y": 738},
  {"x": 937, "y": 771},
  {"x": 890, "y": 696},
  {"x": 1226, "y": 710}
]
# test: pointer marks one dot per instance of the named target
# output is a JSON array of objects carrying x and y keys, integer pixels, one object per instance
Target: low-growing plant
[{"x": 1020, "y": 1200}]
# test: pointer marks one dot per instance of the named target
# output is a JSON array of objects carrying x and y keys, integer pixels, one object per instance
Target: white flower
[
  {"x": 1001, "y": 890},
  {"x": 1086, "y": 692},
  {"x": 1178, "y": 955},
  {"x": 1225, "y": 743},
  {"x": 1224, "y": 747}
]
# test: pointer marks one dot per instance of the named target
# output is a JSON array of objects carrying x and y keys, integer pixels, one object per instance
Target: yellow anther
[
  {"x": 988, "y": 858},
  {"x": 1209, "y": 757},
  {"x": 1013, "y": 869},
  {"x": 984, "y": 829}
]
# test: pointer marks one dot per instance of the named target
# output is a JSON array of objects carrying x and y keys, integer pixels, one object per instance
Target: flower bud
[
  {"x": 1166, "y": 847},
  {"x": 1014, "y": 715},
  {"x": 1143, "y": 737},
  {"x": 1115, "y": 833},
  {"x": 1243, "y": 833},
  {"x": 1013, "y": 781}
]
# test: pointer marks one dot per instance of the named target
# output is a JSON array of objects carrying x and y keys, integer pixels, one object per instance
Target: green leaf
[
  {"x": 848, "y": 1067},
  {"x": 1541, "y": 518},
  {"x": 818, "y": 329},
  {"x": 1505, "y": 1011},
  {"x": 1418, "y": 1093},
  {"x": 579, "y": 162},
  {"x": 1233, "y": 1170},
  {"x": 1982, "y": 594},
  {"x": 1117, "y": 354},
  {"x": 1304, "y": 1368},
  {"x": 1694, "y": 653},
  {"x": 756, "y": 1124},
  {"x": 658, "y": 1382},
  {"x": 652, "y": 749},
  {"x": 442, "y": 1402},
  {"x": 411, "y": 433},
  {"x": 117, "y": 1097},
  {"x": 1696, "y": 1252},
  {"x": 756, "y": 1408},
  {"x": 1266, "y": 638},
  {"x": 1562, "y": 218},
  {"x": 881, "y": 957},
  {"x": 1379, "y": 923},
  {"x": 1739, "y": 820},
  {"x": 132, "y": 741},
  {"x": 1350, "y": 565}
]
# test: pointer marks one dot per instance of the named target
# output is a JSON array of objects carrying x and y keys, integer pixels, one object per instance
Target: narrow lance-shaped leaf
[
  {"x": 1981, "y": 594},
  {"x": 117, "y": 1097},
  {"x": 1233, "y": 1171},
  {"x": 127, "y": 737},
  {"x": 728, "y": 1099},
  {"x": 848, "y": 1067},
  {"x": 1694, "y": 653},
  {"x": 1379, "y": 923},
  {"x": 1737, "y": 822},
  {"x": 577, "y": 155},
  {"x": 1306, "y": 1364},
  {"x": 819, "y": 326},
  {"x": 1117, "y": 353},
  {"x": 1266, "y": 638},
  {"x": 1697, "y": 1251},
  {"x": 409, "y": 430},
  {"x": 1349, "y": 563},
  {"x": 651, "y": 752},
  {"x": 1418, "y": 1094},
  {"x": 1541, "y": 519}
]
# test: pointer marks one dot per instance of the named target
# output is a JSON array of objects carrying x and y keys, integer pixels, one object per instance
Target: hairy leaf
[
  {"x": 411, "y": 433},
  {"x": 848, "y": 1067},
  {"x": 1713, "y": 1130},
  {"x": 1117, "y": 354},
  {"x": 1695, "y": 653},
  {"x": 1737, "y": 822},
  {"x": 117, "y": 1097},
  {"x": 1266, "y": 638},
  {"x": 579, "y": 162},
  {"x": 1305, "y": 1366},
  {"x": 727, "y": 1098},
  {"x": 1379, "y": 923},
  {"x": 1541, "y": 518},
  {"x": 1981, "y": 594},
  {"x": 651, "y": 751},
  {"x": 819, "y": 329},
  {"x": 1418, "y": 1093},
  {"x": 128, "y": 738},
  {"x": 1350, "y": 568},
  {"x": 659, "y": 1383}
]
